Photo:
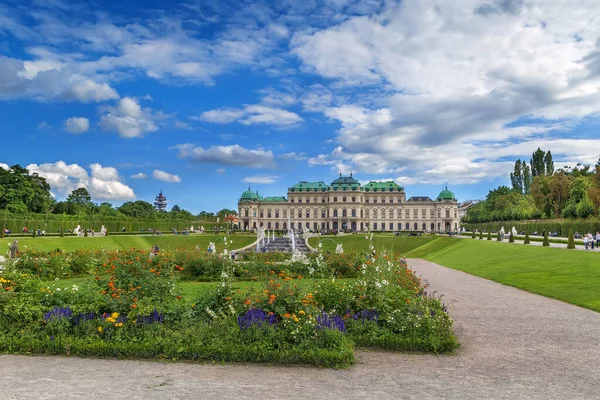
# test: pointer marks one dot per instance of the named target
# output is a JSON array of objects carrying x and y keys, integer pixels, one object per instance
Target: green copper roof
[
  {"x": 389, "y": 186},
  {"x": 446, "y": 195},
  {"x": 304, "y": 186},
  {"x": 345, "y": 183},
  {"x": 249, "y": 195},
  {"x": 274, "y": 199}
]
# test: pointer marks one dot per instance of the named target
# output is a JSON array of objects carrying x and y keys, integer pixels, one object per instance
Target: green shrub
[
  {"x": 546, "y": 242},
  {"x": 498, "y": 237},
  {"x": 473, "y": 235},
  {"x": 511, "y": 239},
  {"x": 489, "y": 235},
  {"x": 62, "y": 232},
  {"x": 571, "y": 240},
  {"x": 480, "y": 234},
  {"x": 85, "y": 234},
  {"x": 526, "y": 241}
]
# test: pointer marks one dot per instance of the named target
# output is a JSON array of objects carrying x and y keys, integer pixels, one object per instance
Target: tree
[
  {"x": 526, "y": 241},
  {"x": 540, "y": 192},
  {"x": 546, "y": 242},
  {"x": 585, "y": 208},
  {"x": 571, "y": 240},
  {"x": 81, "y": 199},
  {"x": 480, "y": 234},
  {"x": 526, "y": 178},
  {"x": 489, "y": 235},
  {"x": 548, "y": 163},
  {"x": 559, "y": 191},
  {"x": 538, "y": 165},
  {"x": 473, "y": 235},
  {"x": 175, "y": 208},
  {"x": 498, "y": 237},
  {"x": 516, "y": 177},
  {"x": 137, "y": 209},
  {"x": 22, "y": 192},
  {"x": 511, "y": 238}
]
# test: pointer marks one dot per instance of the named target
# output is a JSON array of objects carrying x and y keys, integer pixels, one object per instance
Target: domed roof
[
  {"x": 249, "y": 195},
  {"x": 345, "y": 182},
  {"x": 446, "y": 195}
]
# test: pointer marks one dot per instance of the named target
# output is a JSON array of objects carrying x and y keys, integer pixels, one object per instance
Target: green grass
[
  {"x": 567, "y": 275},
  {"x": 358, "y": 243},
  {"x": 128, "y": 242}
]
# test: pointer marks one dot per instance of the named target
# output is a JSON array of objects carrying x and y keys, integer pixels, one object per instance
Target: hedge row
[{"x": 561, "y": 226}]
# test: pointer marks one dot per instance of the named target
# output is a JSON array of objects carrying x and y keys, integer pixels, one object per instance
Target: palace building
[{"x": 346, "y": 205}]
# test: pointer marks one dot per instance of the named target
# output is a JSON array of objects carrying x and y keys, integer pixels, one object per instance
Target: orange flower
[
  {"x": 178, "y": 297},
  {"x": 152, "y": 270},
  {"x": 134, "y": 306},
  {"x": 287, "y": 315},
  {"x": 272, "y": 297},
  {"x": 247, "y": 302},
  {"x": 407, "y": 301}
]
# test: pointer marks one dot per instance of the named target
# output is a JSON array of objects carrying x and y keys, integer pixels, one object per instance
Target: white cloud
[
  {"x": 293, "y": 156},
  {"x": 183, "y": 125},
  {"x": 44, "y": 126},
  {"x": 251, "y": 115},
  {"x": 103, "y": 184},
  {"x": 228, "y": 155},
  {"x": 129, "y": 119},
  {"x": 139, "y": 175},
  {"x": 4, "y": 166},
  {"x": 220, "y": 171},
  {"x": 266, "y": 179},
  {"x": 77, "y": 125},
  {"x": 165, "y": 176}
]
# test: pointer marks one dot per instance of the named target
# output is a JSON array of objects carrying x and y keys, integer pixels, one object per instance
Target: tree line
[
  {"x": 541, "y": 191},
  {"x": 22, "y": 192}
]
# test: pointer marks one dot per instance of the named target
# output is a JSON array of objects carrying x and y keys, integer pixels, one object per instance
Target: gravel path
[{"x": 514, "y": 345}]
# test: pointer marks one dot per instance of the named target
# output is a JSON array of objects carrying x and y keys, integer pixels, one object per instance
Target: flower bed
[{"x": 131, "y": 306}]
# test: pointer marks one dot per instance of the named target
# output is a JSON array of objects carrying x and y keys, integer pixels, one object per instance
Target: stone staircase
[{"x": 283, "y": 244}]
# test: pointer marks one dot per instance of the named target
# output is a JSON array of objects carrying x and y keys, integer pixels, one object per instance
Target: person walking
[
  {"x": 598, "y": 239},
  {"x": 14, "y": 250},
  {"x": 585, "y": 241},
  {"x": 591, "y": 240}
]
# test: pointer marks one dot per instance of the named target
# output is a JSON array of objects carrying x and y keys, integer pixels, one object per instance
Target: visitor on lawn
[
  {"x": 585, "y": 241},
  {"x": 597, "y": 239},
  {"x": 591, "y": 240},
  {"x": 14, "y": 250}
]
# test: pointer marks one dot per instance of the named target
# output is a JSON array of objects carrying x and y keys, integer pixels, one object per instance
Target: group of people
[{"x": 590, "y": 240}]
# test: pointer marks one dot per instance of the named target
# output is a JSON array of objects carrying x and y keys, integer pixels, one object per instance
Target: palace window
[
  {"x": 447, "y": 213},
  {"x": 407, "y": 226},
  {"x": 335, "y": 199},
  {"x": 439, "y": 215},
  {"x": 344, "y": 213},
  {"x": 291, "y": 213},
  {"x": 322, "y": 199},
  {"x": 344, "y": 199},
  {"x": 246, "y": 212},
  {"x": 455, "y": 213},
  {"x": 431, "y": 213},
  {"x": 284, "y": 213},
  {"x": 300, "y": 200},
  {"x": 254, "y": 213},
  {"x": 391, "y": 226},
  {"x": 299, "y": 213},
  {"x": 353, "y": 213},
  {"x": 375, "y": 214},
  {"x": 269, "y": 225},
  {"x": 367, "y": 213},
  {"x": 439, "y": 226},
  {"x": 323, "y": 213},
  {"x": 407, "y": 212},
  {"x": 423, "y": 214},
  {"x": 308, "y": 199},
  {"x": 424, "y": 226},
  {"x": 307, "y": 213},
  {"x": 269, "y": 213},
  {"x": 291, "y": 200},
  {"x": 398, "y": 200},
  {"x": 416, "y": 226},
  {"x": 261, "y": 214},
  {"x": 354, "y": 199},
  {"x": 375, "y": 200},
  {"x": 375, "y": 225},
  {"x": 335, "y": 212},
  {"x": 415, "y": 214},
  {"x": 307, "y": 225},
  {"x": 367, "y": 200},
  {"x": 383, "y": 199},
  {"x": 276, "y": 213}
]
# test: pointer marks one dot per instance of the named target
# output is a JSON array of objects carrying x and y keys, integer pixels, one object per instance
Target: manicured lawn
[
  {"x": 399, "y": 244},
  {"x": 568, "y": 275},
  {"x": 127, "y": 242}
]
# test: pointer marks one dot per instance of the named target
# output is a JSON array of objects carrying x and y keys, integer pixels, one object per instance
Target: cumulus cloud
[
  {"x": 139, "y": 175},
  {"x": 293, "y": 156},
  {"x": 4, "y": 166},
  {"x": 183, "y": 125},
  {"x": 227, "y": 155},
  {"x": 443, "y": 90},
  {"x": 165, "y": 176},
  {"x": 251, "y": 115},
  {"x": 104, "y": 183},
  {"x": 266, "y": 179},
  {"x": 77, "y": 125},
  {"x": 129, "y": 120}
]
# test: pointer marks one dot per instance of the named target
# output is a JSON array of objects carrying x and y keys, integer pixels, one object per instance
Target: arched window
[
  {"x": 335, "y": 212},
  {"x": 416, "y": 226},
  {"x": 354, "y": 199},
  {"x": 276, "y": 225},
  {"x": 447, "y": 213},
  {"x": 269, "y": 225},
  {"x": 335, "y": 199},
  {"x": 307, "y": 213},
  {"x": 407, "y": 226},
  {"x": 344, "y": 213},
  {"x": 353, "y": 213},
  {"x": 344, "y": 199},
  {"x": 424, "y": 226}
]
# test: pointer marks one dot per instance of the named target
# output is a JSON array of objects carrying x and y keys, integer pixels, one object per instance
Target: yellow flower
[
  {"x": 119, "y": 324},
  {"x": 301, "y": 312},
  {"x": 115, "y": 315},
  {"x": 109, "y": 319},
  {"x": 295, "y": 319},
  {"x": 100, "y": 329}
]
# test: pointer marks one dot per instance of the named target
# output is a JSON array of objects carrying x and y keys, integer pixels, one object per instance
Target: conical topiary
[
  {"x": 34, "y": 233},
  {"x": 480, "y": 234},
  {"x": 62, "y": 231},
  {"x": 571, "y": 240},
  {"x": 85, "y": 232},
  {"x": 473, "y": 235},
  {"x": 526, "y": 241},
  {"x": 489, "y": 235},
  {"x": 546, "y": 242},
  {"x": 511, "y": 238},
  {"x": 498, "y": 237}
]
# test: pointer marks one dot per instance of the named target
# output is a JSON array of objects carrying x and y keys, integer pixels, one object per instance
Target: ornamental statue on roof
[{"x": 160, "y": 202}]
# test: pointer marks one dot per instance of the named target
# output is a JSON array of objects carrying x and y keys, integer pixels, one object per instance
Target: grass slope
[
  {"x": 567, "y": 275},
  {"x": 399, "y": 244},
  {"x": 128, "y": 242}
]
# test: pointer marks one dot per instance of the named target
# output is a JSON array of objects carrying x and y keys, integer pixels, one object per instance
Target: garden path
[{"x": 514, "y": 345}]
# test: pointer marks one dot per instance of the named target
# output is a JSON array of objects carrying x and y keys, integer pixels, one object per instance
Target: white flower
[
  {"x": 58, "y": 289},
  {"x": 56, "y": 279},
  {"x": 385, "y": 282},
  {"x": 223, "y": 274}
]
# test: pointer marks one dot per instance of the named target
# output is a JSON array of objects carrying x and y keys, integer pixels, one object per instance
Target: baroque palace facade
[{"x": 346, "y": 205}]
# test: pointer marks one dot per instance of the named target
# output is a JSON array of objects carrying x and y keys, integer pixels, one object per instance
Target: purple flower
[
  {"x": 326, "y": 321},
  {"x": 255, "y": 317},
  {"x": 58, "y": 313}
]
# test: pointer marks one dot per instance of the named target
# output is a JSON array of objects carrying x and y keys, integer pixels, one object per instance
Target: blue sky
[{"x": 201, "y": 99}]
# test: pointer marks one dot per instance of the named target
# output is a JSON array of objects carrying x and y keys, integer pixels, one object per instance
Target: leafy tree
[
  {"x": 546, "y": 242},
  {"x": 571, "y": 240},
  {"x": 570, "y": 210},
  {"x": 22, "y": 192},
  {"x": 61, "y": 208},
  {"x": 480, "y": 234},
  {"x": 585, "y": 208},
  {"x": 489, "y": 235},
  {"x": 559, "y": 191},
  {"x": 579, "y": 187},
  {"x": 498, "y": 237},
  {"x": 473, "y": 235},
  {"x": 137, "y": 209},
  {"x": 526, "y": 241},
  {"x": 81, "y": 200},
  {"x": 538, "y": 164},
  {"x": 540, "y": 192},
  {"x": 526, "y": 177},
  {"x": 175, "y": 208},
  {"x": 516, "y": 177},
  {"x": 548, "y": 163}
]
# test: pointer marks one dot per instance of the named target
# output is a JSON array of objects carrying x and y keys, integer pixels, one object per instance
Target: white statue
[
  {"x": 339, "y": 249},
  {"x": 514, "y": 231},
  {"x": 77, "y": 230},
  {"x": 202, "y": 229},
  {"x": 192, "y": 228},
  {"x": 502, "y": 233},
  {"x": 103, "y": 231},
  {"x": 211, "y": 247}
]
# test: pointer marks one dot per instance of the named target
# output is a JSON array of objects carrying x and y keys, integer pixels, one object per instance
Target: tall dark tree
[
  {"x": 538, "y": 165},
  {"x": 81, "y": 199},
  {"x": 526, "y": 178},
  {"x": 23, "y": 192},
  {"x": 516, "y": 177},
  {"x": 548, "y": 163}
]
